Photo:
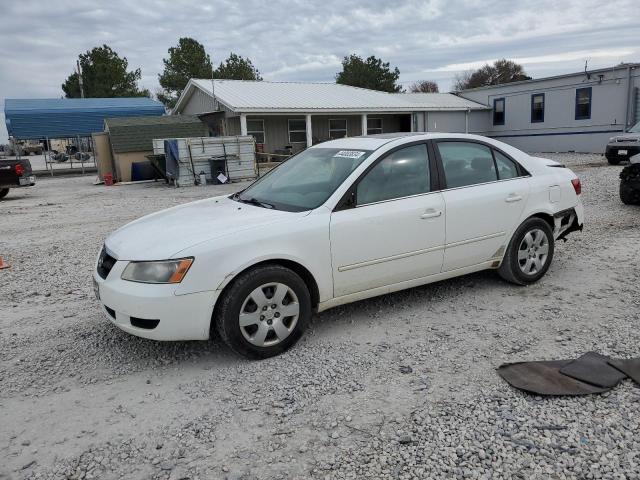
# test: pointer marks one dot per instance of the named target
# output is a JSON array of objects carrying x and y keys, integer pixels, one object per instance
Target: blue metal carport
[{"x": 41, "y": 118}]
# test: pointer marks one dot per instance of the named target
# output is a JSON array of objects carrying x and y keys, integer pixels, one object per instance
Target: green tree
[
  {"x": 187, "y": 60},
  {"x": 502, "y": 71},
  {"x": 104, "y": 75},
  {"x": 236, "y": 67},
  {"x": 371, "y": 73},
  {"x": 424, "y": 86}
]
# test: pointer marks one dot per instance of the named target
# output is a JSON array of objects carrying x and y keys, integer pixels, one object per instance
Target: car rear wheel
[
  {"x": 529, "y": 253},
  {"x": 263, "y": 312},
  {"x": 3, "y": 192},
  {"x": 613, "y": 161}
]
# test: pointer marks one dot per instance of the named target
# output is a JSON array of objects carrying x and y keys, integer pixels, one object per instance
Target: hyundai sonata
[{"x": 339, "y": 222}]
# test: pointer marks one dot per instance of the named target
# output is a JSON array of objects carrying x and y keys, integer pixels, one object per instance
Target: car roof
[{"x": 373, "y": 142}]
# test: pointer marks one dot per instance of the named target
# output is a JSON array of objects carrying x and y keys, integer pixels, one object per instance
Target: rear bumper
[
  {"x": 154, "y": 311},
  {"x": 17, "y": 182},
  {"x": 568, "y": 221}
]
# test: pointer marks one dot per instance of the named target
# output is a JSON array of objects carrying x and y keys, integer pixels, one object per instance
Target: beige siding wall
[
  {"x": 124, "y": 162},
  {"x": 199, "y": 102},
  {"x": 276, "y": 128},
  {"x": 233, "y": 125}
]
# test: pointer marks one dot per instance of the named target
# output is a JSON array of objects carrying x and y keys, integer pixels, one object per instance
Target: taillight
[
  {"x": 577, "y": 186},
  {"x": 19, "y": 169}
]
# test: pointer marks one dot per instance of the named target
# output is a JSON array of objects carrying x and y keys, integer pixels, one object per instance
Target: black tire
[
  {"x": 613, "y": 161},
  {"x": 511, "y": 268},
  {"x": 628, "y": 194},
  {"x": 227, "y": 312},
  {"x": 630, "y": 184},
  {"x": 4, "y": 192}
]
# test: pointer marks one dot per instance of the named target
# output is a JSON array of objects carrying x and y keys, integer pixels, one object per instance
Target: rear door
[
  {"x": 485, "y": 193},
  {"x": 393, "y": 231}
]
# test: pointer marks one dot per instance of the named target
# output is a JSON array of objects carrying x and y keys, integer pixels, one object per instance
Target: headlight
[{"x": 165, "y": 271}]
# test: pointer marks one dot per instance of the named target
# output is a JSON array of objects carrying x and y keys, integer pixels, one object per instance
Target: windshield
[
  {"x": 635, "y": 128},
  {"x": 305, "y": 181}
]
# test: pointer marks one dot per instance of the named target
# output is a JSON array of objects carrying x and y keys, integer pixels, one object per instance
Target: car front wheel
[
  {"x": 263, "y": 312},
  {"x": 529, "y": 253},
  {"x": 4, "y": 192}
]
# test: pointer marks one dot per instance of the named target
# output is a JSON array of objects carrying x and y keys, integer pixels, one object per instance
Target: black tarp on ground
[
  {"x": 591, "y": 373},
  {"x": 630, "y": 367},
  {"x": 544, "y": 378},
  {"x": 594, "y": 369}
]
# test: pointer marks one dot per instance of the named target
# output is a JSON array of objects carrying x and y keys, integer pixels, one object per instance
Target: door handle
[
  {"x": 431, "y": 213},
  {"x": 513, "y": 197}
]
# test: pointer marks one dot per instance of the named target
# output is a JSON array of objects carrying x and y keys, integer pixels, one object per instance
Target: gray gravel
[{"x": 402, "y": 386}]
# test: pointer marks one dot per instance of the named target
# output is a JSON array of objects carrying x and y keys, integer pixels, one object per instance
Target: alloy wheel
[
  {"x": 533, "y": 252},
  {"x": 269, "y": 314}
]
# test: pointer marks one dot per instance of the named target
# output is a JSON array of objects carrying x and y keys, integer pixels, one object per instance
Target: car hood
[
  {"x": 164, "y": 234},
  {"x": 625, "y": 137}
]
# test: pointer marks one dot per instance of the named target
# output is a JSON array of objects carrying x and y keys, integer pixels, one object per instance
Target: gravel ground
[{"x": 401, "y": 386}]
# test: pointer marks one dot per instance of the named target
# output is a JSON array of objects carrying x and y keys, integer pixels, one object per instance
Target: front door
[
  {"x": 395, "y": 230},
  {"x": 485, "y": 196}
]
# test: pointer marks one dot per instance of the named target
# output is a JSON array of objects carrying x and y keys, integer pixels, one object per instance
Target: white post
[
  {"x": 309, "y": 134},
  {"x": 364, "y": 124},
  {"x": 243, "y": 124},
  {"x": 466, "y": 121},
  {"x": 413, "y": 122}
]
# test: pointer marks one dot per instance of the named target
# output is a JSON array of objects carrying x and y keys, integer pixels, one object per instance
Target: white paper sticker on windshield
[{"x": 349, "y": 154}]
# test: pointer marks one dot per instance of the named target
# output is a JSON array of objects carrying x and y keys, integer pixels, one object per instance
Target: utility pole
[
  {"x": 213, "y": 86},
  {"x": 80, "y": 79}
]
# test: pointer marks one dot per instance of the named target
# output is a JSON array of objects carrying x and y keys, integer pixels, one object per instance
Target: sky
[{"x": 296, "y": 40}]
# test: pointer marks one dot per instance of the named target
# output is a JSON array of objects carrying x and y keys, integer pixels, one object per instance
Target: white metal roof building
[
  {"x": 294, "y": 115},
  {"x": 245, "y": 96}
]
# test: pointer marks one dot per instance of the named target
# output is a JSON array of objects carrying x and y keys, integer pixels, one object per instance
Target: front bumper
[
  {"x": 613, "y": 151},
  {"x": 154, "y": 311}
]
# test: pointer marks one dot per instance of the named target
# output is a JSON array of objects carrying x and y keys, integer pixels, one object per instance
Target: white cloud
[
  {"x": 583, "y": 55},
  {"x": 304, "y": 40}
]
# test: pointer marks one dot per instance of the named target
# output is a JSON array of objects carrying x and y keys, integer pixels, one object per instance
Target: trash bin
[{"x": 217, "y": 167}]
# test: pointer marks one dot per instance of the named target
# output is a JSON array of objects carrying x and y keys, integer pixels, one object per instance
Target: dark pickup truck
[{"x": 15, "y": 174}]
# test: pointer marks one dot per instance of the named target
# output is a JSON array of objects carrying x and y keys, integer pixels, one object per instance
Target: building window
[
  {"x": 498, "y": 111},
  {"x": 256, "y": 128},
  {"x": 297, "y": 130},
  {"x": 337, "y": 128},
  {"x": 537, "y": 108},
  {"x": 374, "y": 126},
  {"x": 583, "y": 103}
]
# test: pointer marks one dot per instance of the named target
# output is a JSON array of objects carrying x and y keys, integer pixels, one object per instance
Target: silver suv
[{"x": 624, "y": 146}]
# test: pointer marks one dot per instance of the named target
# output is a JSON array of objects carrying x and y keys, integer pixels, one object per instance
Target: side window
[
  {"x": 466, "y": 163},
  {"x": 400, "y": 174},
  {"x": 255, "y": 127},
  {"x": 337, "y": 128},
  {"x": 583, "y": 103},
  {"x": 537, "y": 108},
  {"x": 506, "y": 167},
  {"x": 498, "y": 111}
]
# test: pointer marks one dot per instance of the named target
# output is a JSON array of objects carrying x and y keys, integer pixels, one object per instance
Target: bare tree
[
  {"x": 502, "y": 71},
  {"x": 424, "y": 86}
]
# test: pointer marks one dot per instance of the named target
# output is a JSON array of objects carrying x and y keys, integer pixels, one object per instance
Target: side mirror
[{"x": 348, "y": 200}]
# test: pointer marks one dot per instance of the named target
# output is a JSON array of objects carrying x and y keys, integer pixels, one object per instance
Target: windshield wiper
[{"x": 254, "y": 201}]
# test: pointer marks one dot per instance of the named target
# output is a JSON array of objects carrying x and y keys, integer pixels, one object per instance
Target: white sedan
[{"x": 341, "y": 221}]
